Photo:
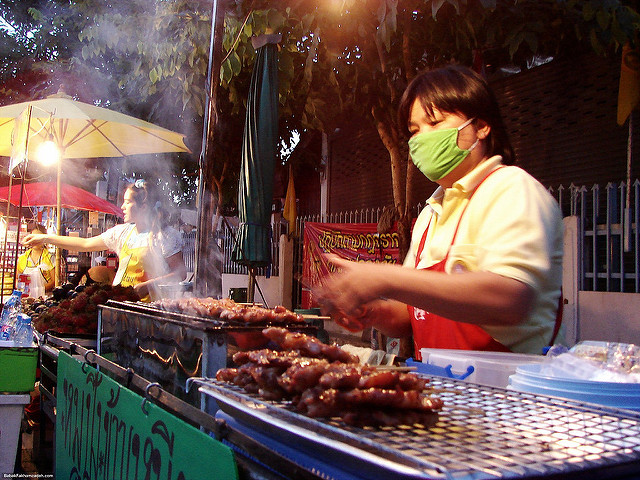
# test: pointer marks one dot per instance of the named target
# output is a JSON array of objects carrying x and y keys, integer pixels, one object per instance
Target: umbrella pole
[
  {"x": 58, "y": 221},
  {"x": 252, "y": 285},
  {"x": 6, "y": 234},
  {"x": 15, "y": 253}
]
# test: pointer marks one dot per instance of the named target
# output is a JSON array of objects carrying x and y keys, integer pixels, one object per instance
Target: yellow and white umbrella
[
  {"x": 81, "y": 130},
  {"x": 78, "y": 130}
]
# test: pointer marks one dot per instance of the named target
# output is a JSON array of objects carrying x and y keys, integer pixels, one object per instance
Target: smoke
[{"x": 146, "y": 59}]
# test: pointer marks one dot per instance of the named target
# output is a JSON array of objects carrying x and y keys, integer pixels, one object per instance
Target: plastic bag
[
  {"x": 36, "y": 289},
  {"x": 597, "y": 361}
]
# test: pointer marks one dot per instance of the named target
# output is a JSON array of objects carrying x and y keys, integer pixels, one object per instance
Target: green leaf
[
  {"x": 226, "y": 72},
  {"x": 285, "y": 63},
  {"x": 588, "y": 11},
  {"x": 235, "y": 63},
  {"x": 435, "y": 7},
  {"x": 275, "y": 19}
]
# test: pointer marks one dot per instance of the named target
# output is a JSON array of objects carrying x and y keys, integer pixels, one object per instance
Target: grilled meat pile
[
  {"x": 227, "y": 309},
  {"x": 325, "y": 381}
]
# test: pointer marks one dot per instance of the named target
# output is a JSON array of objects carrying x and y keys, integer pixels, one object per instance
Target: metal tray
[{"x": 516, "y": 435}]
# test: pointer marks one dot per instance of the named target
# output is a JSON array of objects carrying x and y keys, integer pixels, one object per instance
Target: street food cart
[{"x": 482, "y": 432}]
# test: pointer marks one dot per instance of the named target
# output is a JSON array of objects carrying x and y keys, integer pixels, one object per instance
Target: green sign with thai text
[{"x": 106, "y": 431}]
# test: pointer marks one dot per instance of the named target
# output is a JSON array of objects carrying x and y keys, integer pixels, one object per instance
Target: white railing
[
  {"x": 608, "y": 234},
  {"x": 227, "y": 235},
  {"x": 610, "y": 252}
]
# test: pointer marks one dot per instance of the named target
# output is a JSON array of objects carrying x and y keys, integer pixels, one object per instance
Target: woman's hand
[
  {"x": 142, "y": 289},
  {"x": 354, "y": 297},
  {"x": 33, "y": 239},
  {"x": 351, "y": 287}
]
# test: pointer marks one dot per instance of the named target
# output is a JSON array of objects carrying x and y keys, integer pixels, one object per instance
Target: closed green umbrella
[{"x": 260, "y": 141}]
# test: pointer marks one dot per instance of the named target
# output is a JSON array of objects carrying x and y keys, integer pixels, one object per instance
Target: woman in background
[
  {"x": 38, "y": 263},
  {"x": 149, "y": 251}
]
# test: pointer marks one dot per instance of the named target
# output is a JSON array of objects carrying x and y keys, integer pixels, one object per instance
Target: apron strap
[
  {"x": 558, "y": 322},
  {"x": 455, "y": 233}
]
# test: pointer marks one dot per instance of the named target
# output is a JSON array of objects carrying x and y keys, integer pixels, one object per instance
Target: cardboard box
[{"x": 17, "y": 368}]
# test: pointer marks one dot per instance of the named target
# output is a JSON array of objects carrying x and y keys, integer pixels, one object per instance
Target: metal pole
[
  {"x": 58, "y": 220},
  {"x": 26, "y": 159},
  {"x": 627, "y": 206},
  {"x": 207, "y": 282},
  {"x": 251, "y": 287}
]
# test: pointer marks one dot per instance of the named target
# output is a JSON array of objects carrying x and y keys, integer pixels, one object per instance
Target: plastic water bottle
[
  {"x": 24, "y": 331},
  {"x": 9, "y": 317}
]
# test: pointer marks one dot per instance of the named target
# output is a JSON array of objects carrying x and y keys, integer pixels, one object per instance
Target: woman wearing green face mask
[{"x": 484, "y": 269}]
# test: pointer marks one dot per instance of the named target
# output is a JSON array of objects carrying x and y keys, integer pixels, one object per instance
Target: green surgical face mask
[{"x": 436, "y": 152}]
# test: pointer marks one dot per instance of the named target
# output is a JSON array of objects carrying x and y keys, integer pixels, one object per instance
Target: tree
[
  {"x": 337, "y": 59},
  {"x": 355, "y": 57},
  {"x": 46, "y": 49}
]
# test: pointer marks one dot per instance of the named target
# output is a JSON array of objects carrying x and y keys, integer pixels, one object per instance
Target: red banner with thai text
[{"x": 358, "y": 242}]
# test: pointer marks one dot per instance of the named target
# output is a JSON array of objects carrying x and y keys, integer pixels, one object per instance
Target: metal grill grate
[{"x": 517, "y": 435}]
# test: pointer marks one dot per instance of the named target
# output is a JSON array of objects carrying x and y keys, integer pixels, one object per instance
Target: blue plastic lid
[
  {"x": 431, "y": 369},
  {"x": 629, "y": 402},
  {"x": 531, "y": 373}
]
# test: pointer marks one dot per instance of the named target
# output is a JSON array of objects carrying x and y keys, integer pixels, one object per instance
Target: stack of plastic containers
[{"x": 593, "y": 372}]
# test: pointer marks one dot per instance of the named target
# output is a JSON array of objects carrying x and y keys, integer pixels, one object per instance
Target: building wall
[
  {"x": 609, "y": 317},
  {"x": 561, "y": 117},
  {"x": 562, "y": 120}
]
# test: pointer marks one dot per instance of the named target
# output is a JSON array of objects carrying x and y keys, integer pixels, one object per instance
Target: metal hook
[
  {"x": 191, "y": 380},
  {"x": 86, "y": 354},
  {"x": 146, "y": 395},
  {"x": 130, "y": 372}
]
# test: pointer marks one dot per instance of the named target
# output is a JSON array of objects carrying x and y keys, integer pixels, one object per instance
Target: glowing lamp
[{"x": 48, "y": 153}]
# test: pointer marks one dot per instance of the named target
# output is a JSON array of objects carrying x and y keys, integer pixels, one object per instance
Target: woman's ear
[{"x": 482, "y": 129}]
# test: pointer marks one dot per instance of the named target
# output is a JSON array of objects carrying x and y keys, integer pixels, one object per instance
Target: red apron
[{"x": 434, "y": 331}]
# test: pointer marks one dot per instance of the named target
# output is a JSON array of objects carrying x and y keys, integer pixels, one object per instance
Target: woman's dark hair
[
  {"x": 147, "y": 196},
  {"x": 139, "y": 192},
  {"x": 458, "y": 89}
]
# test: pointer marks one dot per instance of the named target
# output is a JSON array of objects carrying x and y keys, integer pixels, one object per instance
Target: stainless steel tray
[{"x": 517, "y": 435}]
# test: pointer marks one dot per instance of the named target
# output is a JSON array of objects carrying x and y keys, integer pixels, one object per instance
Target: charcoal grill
[
  {"x": 482, "y": 433},
  {"x": 168, "y": 347}
]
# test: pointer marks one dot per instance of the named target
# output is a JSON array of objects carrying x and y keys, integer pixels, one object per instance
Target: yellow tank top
[{"x": 133, "y": 272}]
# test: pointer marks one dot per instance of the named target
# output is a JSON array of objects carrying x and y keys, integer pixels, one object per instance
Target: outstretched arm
[{"x": 91, "y": 244}]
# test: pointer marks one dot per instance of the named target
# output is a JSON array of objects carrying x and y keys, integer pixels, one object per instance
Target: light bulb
[{"x": 48, "y": 153}]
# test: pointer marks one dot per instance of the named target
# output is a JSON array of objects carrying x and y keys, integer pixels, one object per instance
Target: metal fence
[
  {"x": 226, "y": 237},
  {"x": 608, "y": 239},
  {"x": 189, "y": 250},
  {"x": 608, "y": 234}
]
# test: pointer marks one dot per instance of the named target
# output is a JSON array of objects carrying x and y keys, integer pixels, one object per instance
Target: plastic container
[
  {"x": 9, "y": 316},
  {"x": 528, "y": 378},
  {"x": 11, "y": 407},
  {"x": 17, "y": 368},
  {"x": 24, "y": 331},
  {"x": 489, "y": 368}
]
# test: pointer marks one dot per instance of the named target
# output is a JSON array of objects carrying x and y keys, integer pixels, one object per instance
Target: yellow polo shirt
[{"x": 512, "y": 227}]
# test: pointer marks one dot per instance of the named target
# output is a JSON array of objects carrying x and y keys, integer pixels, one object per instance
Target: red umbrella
[{"x": 43, "y": 194}]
